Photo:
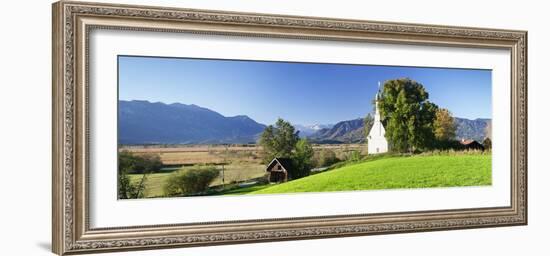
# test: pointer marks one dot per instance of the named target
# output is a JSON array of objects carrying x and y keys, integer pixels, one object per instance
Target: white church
[{"x": 377, "y": 142}]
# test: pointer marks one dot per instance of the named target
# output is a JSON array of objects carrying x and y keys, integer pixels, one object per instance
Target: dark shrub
[
  {"x": 190, "y": 181},
  {"x": 138, "y": 164},
  {"x": 128, "y": 189}
]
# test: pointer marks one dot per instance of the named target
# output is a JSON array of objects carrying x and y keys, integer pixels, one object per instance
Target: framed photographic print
[{"x": 179, "y": 127}]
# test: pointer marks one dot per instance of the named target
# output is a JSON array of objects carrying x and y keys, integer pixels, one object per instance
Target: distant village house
[{"x": 471, "y": 145}]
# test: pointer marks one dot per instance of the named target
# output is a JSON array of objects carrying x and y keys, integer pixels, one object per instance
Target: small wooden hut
[{"x": 278, "y": 169}]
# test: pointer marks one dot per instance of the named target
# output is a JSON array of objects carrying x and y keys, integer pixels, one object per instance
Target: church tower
[{"x": 377, "y": 142}]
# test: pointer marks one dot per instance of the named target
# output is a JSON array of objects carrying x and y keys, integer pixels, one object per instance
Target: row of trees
[{"x": 413, "y": 122}]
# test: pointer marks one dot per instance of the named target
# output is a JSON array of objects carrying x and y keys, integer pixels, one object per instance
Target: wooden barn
[
  {"x": 471, "y": 144},
  {"x": 278, "y": 169}
]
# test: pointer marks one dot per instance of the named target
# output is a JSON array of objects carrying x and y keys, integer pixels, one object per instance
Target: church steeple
[
  {"x": 377, "y": 111},
  {"x": 377, "y": 142}
]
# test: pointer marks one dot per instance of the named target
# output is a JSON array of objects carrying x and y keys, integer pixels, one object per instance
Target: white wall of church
[{"x": 378, "y": 145}]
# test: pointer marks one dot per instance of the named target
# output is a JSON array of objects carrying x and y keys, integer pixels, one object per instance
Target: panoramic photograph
[{"x": 211, "y": 127}]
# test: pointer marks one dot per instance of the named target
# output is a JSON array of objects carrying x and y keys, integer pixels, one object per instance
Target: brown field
[{"x": 218, "y": 154}]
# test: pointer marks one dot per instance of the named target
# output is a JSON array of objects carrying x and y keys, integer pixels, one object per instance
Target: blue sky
[{"x": 302, "y": 93}]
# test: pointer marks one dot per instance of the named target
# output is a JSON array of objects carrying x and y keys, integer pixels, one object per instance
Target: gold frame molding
[{"x": 72, "y": 22}]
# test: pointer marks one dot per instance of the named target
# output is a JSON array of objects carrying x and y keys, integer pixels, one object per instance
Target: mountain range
[
  {"x": 143, "y": 122},
  {"x": 471, "y": 129},
  {"x": 350, "y": 131}
]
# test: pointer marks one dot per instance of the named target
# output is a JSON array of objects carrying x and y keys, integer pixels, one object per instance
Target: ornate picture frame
[{"x": 72, "y": 23}]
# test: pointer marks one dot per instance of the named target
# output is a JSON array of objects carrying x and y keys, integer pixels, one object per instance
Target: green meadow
[
  {"x": 392, "y": 173},
  {"x": 379, "y": 172}
]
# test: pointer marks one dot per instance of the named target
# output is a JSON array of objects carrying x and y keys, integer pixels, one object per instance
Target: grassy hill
[{"x": 395, "y": 172}]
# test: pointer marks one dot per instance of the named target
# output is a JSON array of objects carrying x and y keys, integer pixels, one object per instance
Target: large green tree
[
  {"x": 279, "y": 140},
  {"x": 302, "y": 159},
  {"x": 408, "y": 115}
]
